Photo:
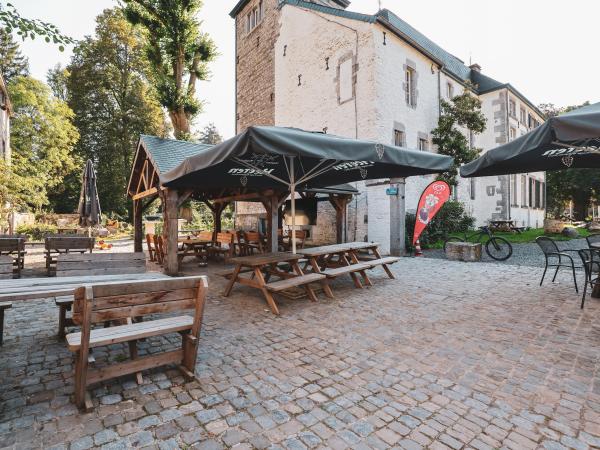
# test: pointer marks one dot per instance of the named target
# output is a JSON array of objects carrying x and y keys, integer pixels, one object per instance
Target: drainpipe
[{"x": 508, "y": 140}]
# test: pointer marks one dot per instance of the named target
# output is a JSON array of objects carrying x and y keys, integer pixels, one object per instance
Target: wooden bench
[
  {"x": 384, "y": 262},
  {"x": 69, "y": 265},
  {"x": 13, "y": 246},
  {"x": 282, "y": 285},
  {"x": 223, "y": 245},
  {"x": 3, "y": 306},
  {"x": 6, "y": 267},
  {"x": 97, "y": 303},
  {"x": 57, "y": 245},
  {"x": 343, "y": 270}
]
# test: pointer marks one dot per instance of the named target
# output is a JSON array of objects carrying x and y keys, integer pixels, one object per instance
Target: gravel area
[{"x": 528, "y": 254}]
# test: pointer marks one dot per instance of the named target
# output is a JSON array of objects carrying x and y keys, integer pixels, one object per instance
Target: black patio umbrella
[
  {"x": 89, "y": 203},
  {"x": 266, "y": 157},
  {"x": 569, "y": 140}
]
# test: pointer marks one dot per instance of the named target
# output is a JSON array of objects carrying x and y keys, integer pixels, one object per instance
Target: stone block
[{"x": 463, "y": 251}]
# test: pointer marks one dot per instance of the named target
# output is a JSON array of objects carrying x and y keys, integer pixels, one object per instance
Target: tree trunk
[{"x": 181, "y": 124}]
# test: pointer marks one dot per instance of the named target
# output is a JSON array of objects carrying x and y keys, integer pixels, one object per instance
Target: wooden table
[
  {"x": 262, "y": 267},
  {"x": 192, "y": 246},
  {"x": 505, "y": 225},
  {"x": 35, "y": 288}
]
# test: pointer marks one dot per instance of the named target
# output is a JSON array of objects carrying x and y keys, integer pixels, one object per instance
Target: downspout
[
  {"x": 508, "y": 140},
  {"x": 235, "y": 114}
]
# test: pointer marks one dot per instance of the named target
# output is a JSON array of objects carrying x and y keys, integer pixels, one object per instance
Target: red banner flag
[{"x": 432, "y": 199}]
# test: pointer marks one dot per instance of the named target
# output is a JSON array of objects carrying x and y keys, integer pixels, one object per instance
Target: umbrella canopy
[
  {"x": 569, "y": 140},
  {"x": 89, "y": 203},
  {"x": 263, "y": 157},
  {"x": 266, "y": 157}
]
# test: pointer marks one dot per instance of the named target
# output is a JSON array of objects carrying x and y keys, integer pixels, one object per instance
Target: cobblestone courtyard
[{"x": 449, "y": 355}]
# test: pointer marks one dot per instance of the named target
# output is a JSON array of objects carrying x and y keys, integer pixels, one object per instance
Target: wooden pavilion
[{"x": 156, "y": 156}]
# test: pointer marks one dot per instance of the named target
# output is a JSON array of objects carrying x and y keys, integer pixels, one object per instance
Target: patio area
[{"x": 448, "y": 355}]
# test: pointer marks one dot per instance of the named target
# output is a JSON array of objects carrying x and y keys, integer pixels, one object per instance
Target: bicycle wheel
[
  {"x": 452, "y": 239},
  {"x": 498, "y": 248}
]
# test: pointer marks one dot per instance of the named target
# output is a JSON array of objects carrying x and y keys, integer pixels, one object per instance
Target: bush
[
  {"x": 451, "y": 218},
  {"x": 38, "y": 231}
]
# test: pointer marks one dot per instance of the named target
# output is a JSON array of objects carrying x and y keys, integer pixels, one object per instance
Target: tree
[
  {"x": 42, "y": 140},
  {"x": 210, "y": 135},
  {"x": 57, "y": 79},
  {"x": 113, "y": 103},
  {"x": 577, "y": 185},
  {"x": 10, "y": 20},
  {"x": 462, "y": 115},
  {"x": 12, "y": 62},
  {"x": 179, "y": 54}
]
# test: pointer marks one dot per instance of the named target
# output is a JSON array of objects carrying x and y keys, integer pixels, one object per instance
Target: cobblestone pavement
[{"x": 449, "y": 355}]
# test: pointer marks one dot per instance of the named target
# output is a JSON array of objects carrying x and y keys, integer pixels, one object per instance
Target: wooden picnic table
[
  {"x": 264, "y": 266},
  {"x": 339, "y": 259},
  {"x": 36, "y": 288},
  {"x": 505, "y": 225},
  {"x": 193, "y": 247}
]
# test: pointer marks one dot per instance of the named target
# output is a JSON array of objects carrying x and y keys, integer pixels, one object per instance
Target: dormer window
[{"x": 254, "y": 17}]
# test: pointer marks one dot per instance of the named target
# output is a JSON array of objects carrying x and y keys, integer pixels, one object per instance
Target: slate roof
[{"x": 166, "y": 154}]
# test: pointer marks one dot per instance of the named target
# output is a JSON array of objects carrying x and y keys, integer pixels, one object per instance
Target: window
[
  {"x": 543, "y": 194},
  {"x": 538, "y": 194},
  {"x": 512, "y": 108},
  {"x": 514, "y": 194},
  {"x": 523, "y": 191},
  {"x": 472, "y": 189},
  {"x": 254, "y": 17},
  {"x": 449, "y": 90},
  {"x": 523, "y": 116},
  {"x": 531, "y": 192},
  {"x": 399, "y": 138},
  {"x": 513, "y": 134},
  {"x": 409, "y": 87},
  {"x": 423, "y": 144}
]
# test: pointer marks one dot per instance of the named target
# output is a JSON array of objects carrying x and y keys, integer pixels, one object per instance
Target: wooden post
[
  {"x": 271, "y": 205},
  {"x": 170, "y": 231},
  {"x": 137, "y": 226},
  {"x": 340, "y": 202}
]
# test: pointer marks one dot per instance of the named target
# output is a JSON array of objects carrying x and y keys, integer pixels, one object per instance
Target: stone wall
[{"x": 255, "y": 67}]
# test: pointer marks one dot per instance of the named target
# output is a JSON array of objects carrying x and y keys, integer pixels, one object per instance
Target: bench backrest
[
  {"x": 150, "y": 241},
  {"x": 95, "y": 303},
  {"x": 69, "y": 264},
  {"x": 225, "y": 238},
  {"x": 70, "y": 243},
  {"x": 205, "y": 235},
  {"x": 252, "y": 236},
  {"x": 12, "y": 244},
  {"x": 6, "y": 267},
  {"x": 160, "y": 249}
]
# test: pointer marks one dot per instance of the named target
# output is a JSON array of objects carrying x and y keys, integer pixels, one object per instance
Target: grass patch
[{"x": 524, "y": 237}]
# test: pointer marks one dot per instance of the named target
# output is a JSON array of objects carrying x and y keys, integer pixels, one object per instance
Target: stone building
[
  {"x": 317, "y": 66},
  {"x": 5, "y": 112}
]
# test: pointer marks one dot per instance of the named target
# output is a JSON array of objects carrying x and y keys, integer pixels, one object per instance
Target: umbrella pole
[{"x": 293, "y": 193}]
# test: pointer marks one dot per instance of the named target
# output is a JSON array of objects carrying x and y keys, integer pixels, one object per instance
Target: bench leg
[
  {"x": 317, "y": 269},
  {"x": 265, "y": 291},
  {"x": 385, "y": 266},
  {"x": 133, "y": 354},
  {"x": 62, "y": 320},
  {"x": 309, "y": 291},
  {"x": 232, "y": 281}
]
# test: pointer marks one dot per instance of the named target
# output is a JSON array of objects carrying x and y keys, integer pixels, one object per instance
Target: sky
[{"x": 547, "y": 49}]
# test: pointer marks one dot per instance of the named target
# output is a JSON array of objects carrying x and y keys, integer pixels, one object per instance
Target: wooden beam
[
  {"x": 170, "y": 230},
  {"x": 143, "y": 194},
  {"x": 339, "y": 202},
  {"x": 137, "y": 225}
]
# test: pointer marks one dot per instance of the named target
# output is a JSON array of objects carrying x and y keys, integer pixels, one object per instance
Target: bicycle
[{"x": 496, "y": 247}]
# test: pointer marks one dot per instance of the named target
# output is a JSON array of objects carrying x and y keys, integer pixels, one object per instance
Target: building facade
[{"x": 317, "y": 66}]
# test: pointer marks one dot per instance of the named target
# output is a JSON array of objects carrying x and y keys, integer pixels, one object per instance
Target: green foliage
[
  {"x": 57, "y": 79},
  {"x": 178, "y": 52},
  {"x": 462, "y": 115},
  {"x": 12, "y": 62},
  {"x": 451, "y": 218},
  {"x": 106, "y": 86},
  {"x": 11, "y": 20},
  {"x": 37, "y": 232},
  {"x": 42, "y": 141},
  {"x": 581, "y": 186},
  {"x": 210, "y": 135}
]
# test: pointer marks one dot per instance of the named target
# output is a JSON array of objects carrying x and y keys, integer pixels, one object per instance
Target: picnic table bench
[
  {"x": 505, "y": 225},
  {"x": 101, "y": 302},
  {"x": 60, "y": 244},
  {"x": 13, "y": 246},
  {"x": 264, "y": 266}
]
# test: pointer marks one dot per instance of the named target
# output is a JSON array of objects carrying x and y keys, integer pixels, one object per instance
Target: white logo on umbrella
[
  {"x": 567, "y": 160},
  {"x": 244, "y": 180},
  {"x": 380, "y": 150},
  {"x": 363, "y": 172}
]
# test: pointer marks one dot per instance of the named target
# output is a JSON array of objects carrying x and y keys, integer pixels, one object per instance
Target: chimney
[{"x": 476, "y": 67}]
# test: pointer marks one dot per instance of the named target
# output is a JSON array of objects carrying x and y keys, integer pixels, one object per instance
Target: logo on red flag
[{"x": 432, "y": 199}]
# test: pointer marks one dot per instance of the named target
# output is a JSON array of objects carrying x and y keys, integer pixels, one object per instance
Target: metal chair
[
  {"x": 551, "y": 250},
  {"x": 591, "y": 265},
  {"x": 593, "y": 241}
]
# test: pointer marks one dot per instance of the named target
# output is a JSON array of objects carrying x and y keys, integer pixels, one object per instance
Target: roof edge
[{"x": 511, "y": 88}]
